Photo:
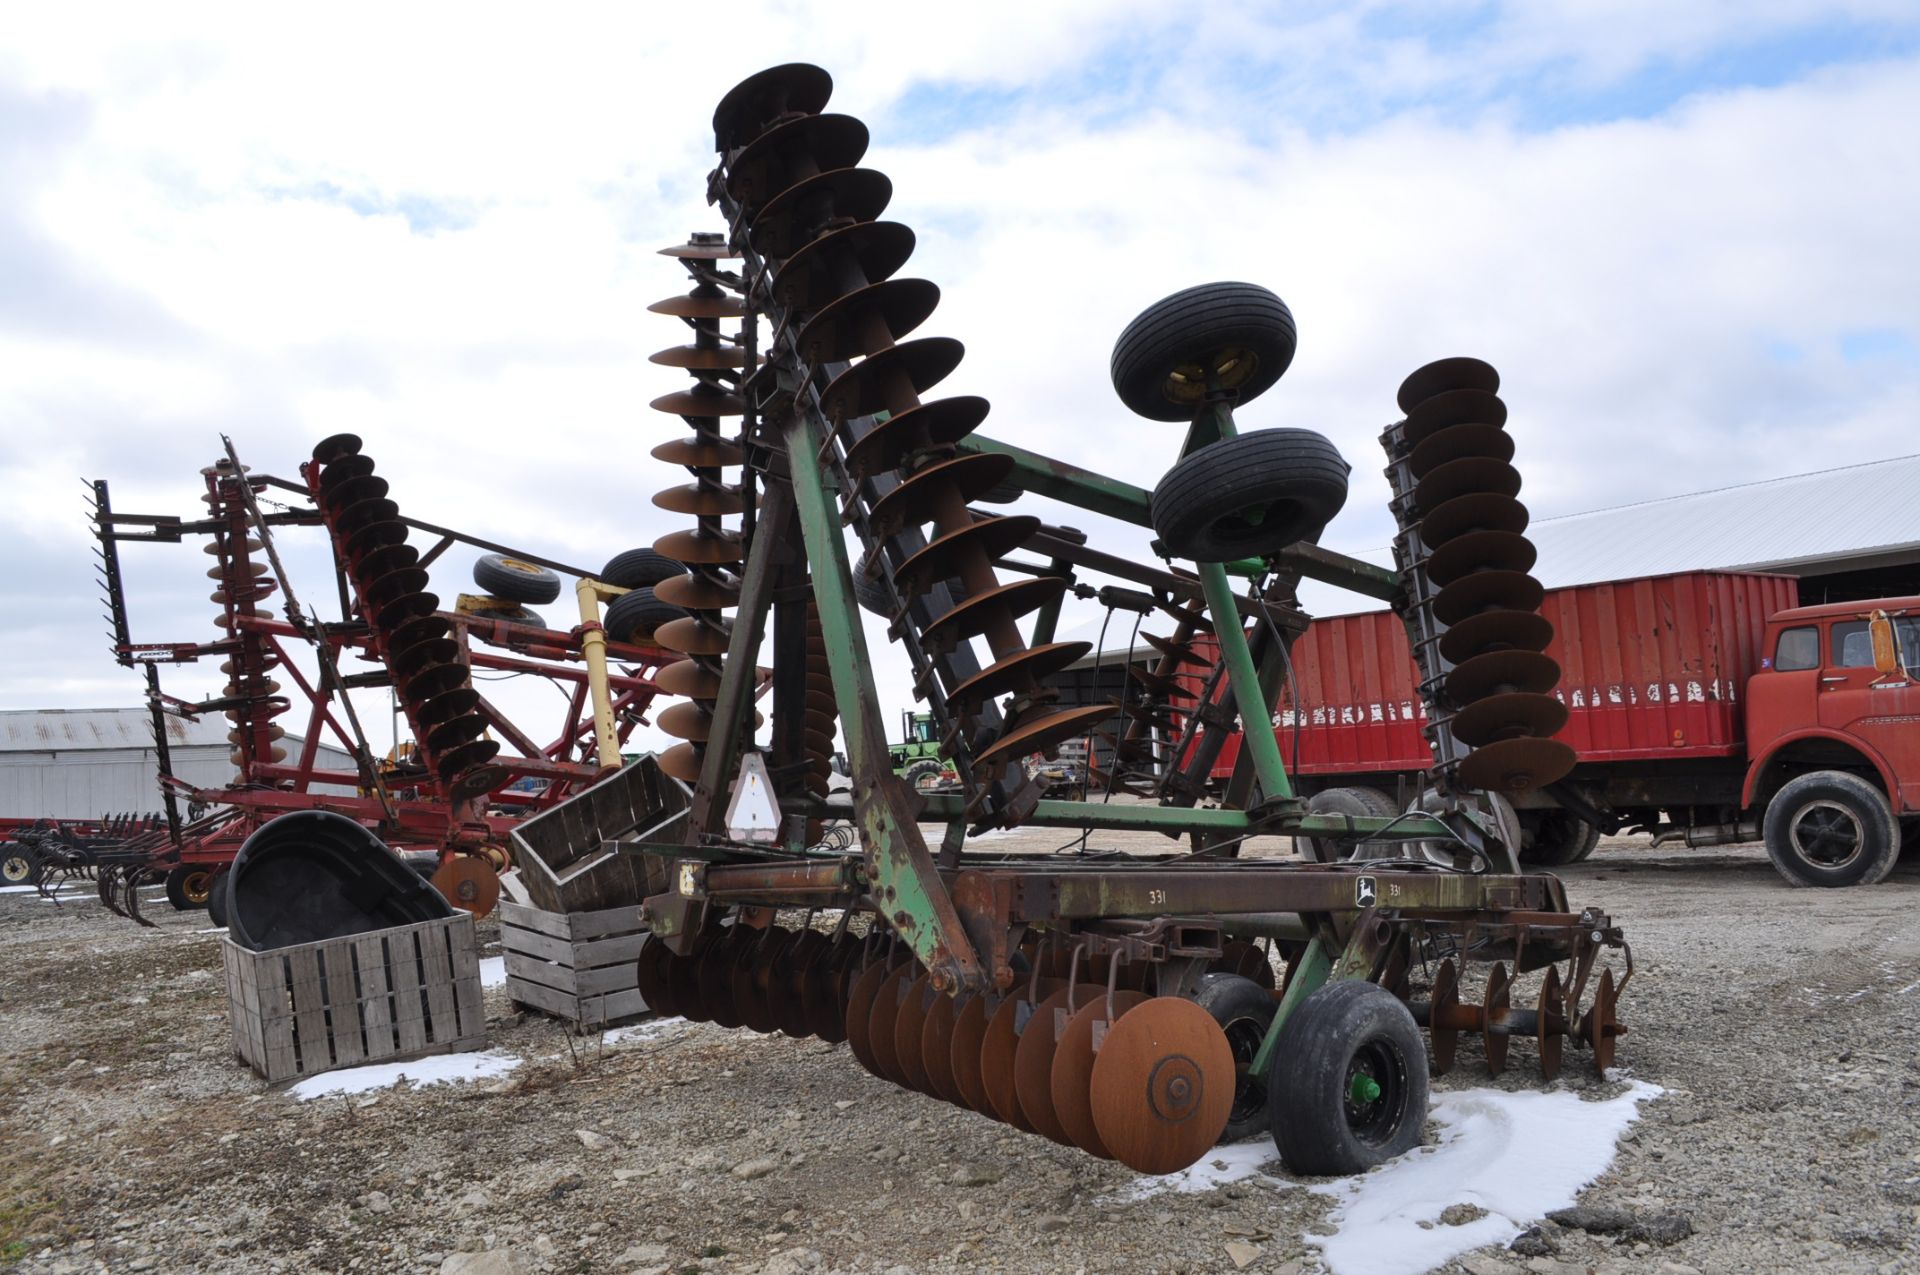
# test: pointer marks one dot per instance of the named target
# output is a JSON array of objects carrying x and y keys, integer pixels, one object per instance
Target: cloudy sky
[{"x": 1684, "y": 233}]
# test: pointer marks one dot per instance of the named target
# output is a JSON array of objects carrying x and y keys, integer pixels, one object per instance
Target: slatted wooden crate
[
  {"x": 578, "y": 966},
  {"x": 377, "y": 997}
]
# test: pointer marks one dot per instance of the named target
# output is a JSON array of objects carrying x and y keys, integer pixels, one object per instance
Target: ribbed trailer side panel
[{"x": 1650, "y": 668}]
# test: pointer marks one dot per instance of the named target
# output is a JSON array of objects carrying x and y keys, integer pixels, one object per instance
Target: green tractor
[{"x": 917, "y": 759}]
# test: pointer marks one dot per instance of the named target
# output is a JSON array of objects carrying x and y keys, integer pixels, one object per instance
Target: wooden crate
[
  {"x": 381, "y": 996},
  {"x": 578, "y": 966}
]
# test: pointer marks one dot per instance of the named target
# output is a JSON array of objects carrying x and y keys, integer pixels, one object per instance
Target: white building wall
[{"x": 92, "y": 783}]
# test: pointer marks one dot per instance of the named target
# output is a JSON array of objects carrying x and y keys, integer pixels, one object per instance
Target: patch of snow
[
  {"x": 18, "y": 889},
  {"x": 437, "y": 1069},
  {"x": 218, "y": 929},
  {"x": 1517, "y": 1155},
  {"x": 1222, "y": 1165},
  {"x": 493, "y": 971},
  {"x": 639, "y": 1032}
]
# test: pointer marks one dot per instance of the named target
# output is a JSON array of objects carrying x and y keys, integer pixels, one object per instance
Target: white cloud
[{"x": 436, "y": 228}]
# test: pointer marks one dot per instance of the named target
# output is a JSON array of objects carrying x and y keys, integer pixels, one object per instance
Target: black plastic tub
[{"x": 312, "y": 875}]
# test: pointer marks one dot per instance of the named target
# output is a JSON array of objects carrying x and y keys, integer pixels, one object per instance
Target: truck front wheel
[
  {"x": 1556, "y": 838},
  {"x": 1831, "y": 828}
]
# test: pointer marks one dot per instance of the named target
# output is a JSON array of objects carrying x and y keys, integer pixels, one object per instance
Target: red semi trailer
[{"x": 1706, "y": 707}]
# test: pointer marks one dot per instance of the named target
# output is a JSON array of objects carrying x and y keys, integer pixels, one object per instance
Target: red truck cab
[{"x": 1836, "y": 697}]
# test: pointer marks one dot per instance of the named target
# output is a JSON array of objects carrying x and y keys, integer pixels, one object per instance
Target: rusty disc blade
[
  {"x": 1517, "y": 765},
  {"x": 930, "y": 427},
  {"x": 336, "y": 447},
  {"x": 970, "y": 1021},
  {"x": 478, "y": 781},
  {"x": 1450, "y": 411},
  {"x": 868, "y": 320},
  {"x": 1501, "y": 672},
  {"x": 689, "y": 679},
  {"x": 979, "y": 613},
  {"x": 794, "y": 216},
  {"x": 1505, "y": 716},
  {"x": 701, "y": 304},
  {"x": 375, "y": 536},
  {"x": 1495, "y": 631},
  {"x": 1487, "y": 591},
  {"x": 909, "y": 1026},
  {"x": 383, "y": 559},
  {"x": 1549, "y": 1025},
  {"x": 345, "y": 470},
  {"x": 394, "y": 585},
  {"x": 700, "y": 453},
  {"x": 700, "y": 547},
  {"x": 1442, "y": 375},
  {"x": 1163, "y": 1085},
  {"x": 1478, "y": 511},
  {"x": 1182, "y": 652},
  {"x": 915, "y": 502},
  {"x": 878, "y": 248},
  {"x": 701, "y": 500},
  {"x": 751, "y": 980},
  {"x": 859, "y": 1012},
  {"x": 653, "y": 975},
  {"x": 469, "y": 884},
  {"x": 690, "y": 720},
  {"x": 682, "y": 761},
  {"x": 700, "y": 358},
  {"x": 457, "y": 731},
  {"x": 764, "y": 168},
  {"x": 1442, "y": 1001},
  {"x": 881, "y": 1020},
  {"x": 683, "y": 980},
  {"x": 1037, "y": 733},
  {"x": 1071, "y": 1083},
  {"x": 946, "y": 556},
  {"x": 1471, "y": 476},
  {"x": 400, "y": 610},
  {"x": 1023, "y": 670},
  {"x": 1033, "y": 1057},
  {"x": 350, "y": 518},
  {"x": 454, "y": 761},
  {"x": 1497, "y": 1004},
  {"x": 999, "y": 1048},
  {"x": 822, "y": 999},
  {"x": 702, "y": 402},
  {"x": 793, "y": 88},
  {"x": 692, "y": 635},
  {"x": 699, "y": 251},
  {"x": 936, "y": 1047},
  {"x": 457, "y": 702},
  {"x": 698, "y": 592},
  {"x": 353, "y": 491},
  {"x": 1600, "y": 1025},
  {"x": 431, "y": 680},
  {"x": 715, "y": 978},
  {"x": 1457, "y": 442},
  {"x": 892, "y": 380},
  {"x": 1481, "y": 551}
]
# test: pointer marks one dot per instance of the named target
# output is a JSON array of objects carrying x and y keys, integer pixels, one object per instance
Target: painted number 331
[{"x": 1156, "y": 898}]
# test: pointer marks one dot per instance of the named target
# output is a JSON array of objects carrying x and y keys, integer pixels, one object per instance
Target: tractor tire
[
  {"x": 638, "y": 568},
  {"x": 1244, "y": 1010},
  {"x": 870, "y": 593},
  {"x": 1384, "y": 807},
  {"x": 1325, "y": 1118},
  {"x": 188, "y": 887},
  {"x": 516, "y": 581},
  {"x": 1240, "y": 330},
  {"x": 923, "y": 771},
  {"x": 1831, "y": 828},
  {"x": 1249, "y": 497},
  {"x": 19, "y": 865},
  {"x": 1555, "y": 838},
  {"x": 510, "y": 612},
  {"x": 218, "y": 896},
  {"x": 632, "y": 617}
]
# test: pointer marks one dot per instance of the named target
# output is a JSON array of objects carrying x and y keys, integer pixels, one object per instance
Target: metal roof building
[{"x": 86, "y": 763}]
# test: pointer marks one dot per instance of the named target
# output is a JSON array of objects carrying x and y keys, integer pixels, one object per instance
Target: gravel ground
[{"x": 1779, "y": 1021}]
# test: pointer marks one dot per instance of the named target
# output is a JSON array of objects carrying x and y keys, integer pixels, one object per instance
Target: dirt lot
[{"x": 1780, "y": 1022}]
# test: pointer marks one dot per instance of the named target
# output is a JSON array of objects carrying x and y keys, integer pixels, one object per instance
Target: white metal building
[{"x": 86, "y": 763}]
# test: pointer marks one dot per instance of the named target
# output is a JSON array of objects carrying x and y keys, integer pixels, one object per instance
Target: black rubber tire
[
  {"x": 178, "y": 881},
  {"x": 637, "y": 568},
  {"x": 1555, "y": 838},
  {"x": 869, "y": 593},
  {"x": 1190, "y": 327},
  {"x": 1383, "y": 806},
  {"x": 1343, "y": 1029},
  {"x": 19, "y": 865},
  {"x": 634, "y": 616},
  {"x": 1352, "y": 802},
  {"x": 1844, "y": 806},
  {"x": 217, "y": 898},
  {"x": 918, "y": 770},
  {"x": 516, "y": 581},
  {"x": 1250, "y": 496},
  {"x": 512, "y": 613},
  {"x": 1244, "y": 1010}
]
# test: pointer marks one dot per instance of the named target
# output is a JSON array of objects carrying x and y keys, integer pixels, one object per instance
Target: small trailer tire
[
  {"x": 189, "y": 887},
  {"x": 632, "y": 617},
  {"x": 516, "y": 581},
  {"x": 19, "y": 865},
  {"x": 1250, "y": 496},
  {"x": 217, "y": 896},
  {"x": 1347, "y": 1089},
  {"x": 1241, "y": 331},
  {"x": 637, "y": 567},
  {"x": 1831, "y": 828},
  {"x": 1244, "y": 1010}
]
